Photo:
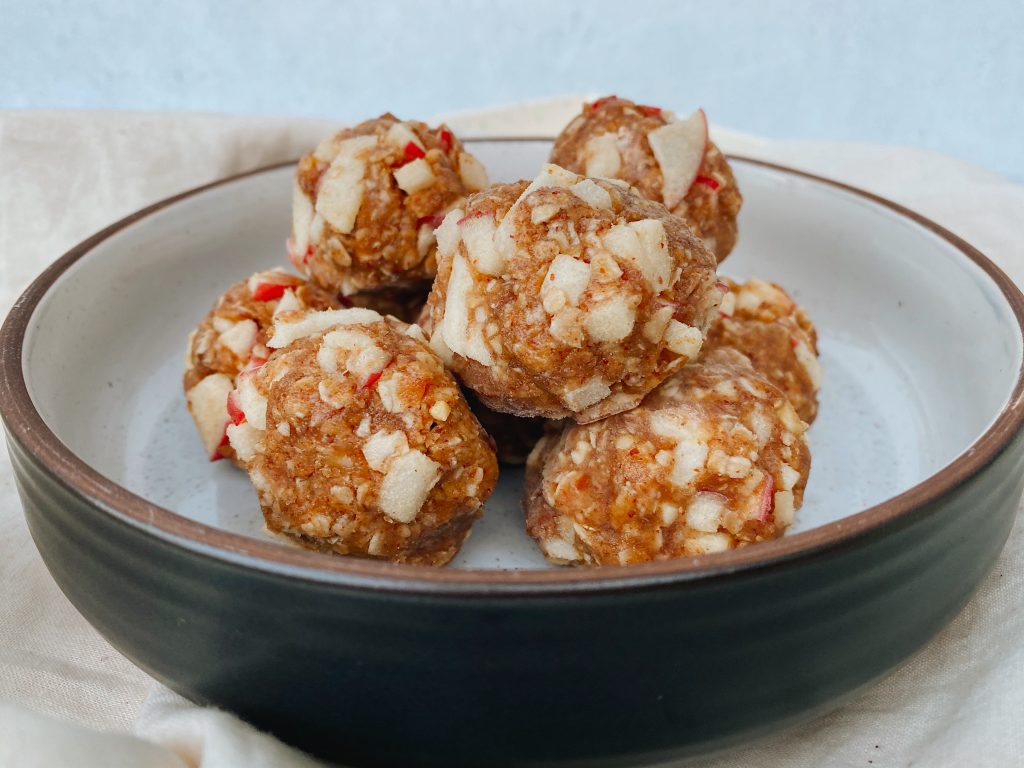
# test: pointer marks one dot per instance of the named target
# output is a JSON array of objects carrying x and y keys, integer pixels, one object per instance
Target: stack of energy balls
[{"x": 575, "y": 322}]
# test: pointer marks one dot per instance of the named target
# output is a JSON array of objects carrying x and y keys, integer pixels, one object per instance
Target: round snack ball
[
  {"x": 665, "y": 158},
  {"x": 359, "y": 442},
  {"x": 233, "y": 335},
  {"x": 714, "y": 459},
  {"x": 760, "y": 320},
  {"x": 366, "y": 202},
  {"x": 568, "y": 297}
]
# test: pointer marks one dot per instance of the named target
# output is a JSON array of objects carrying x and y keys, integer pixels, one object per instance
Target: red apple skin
[
  {"x": 269, "y": 291},
  {"x": 767, "y": 499},
  {"x": 234, "y": 409}
]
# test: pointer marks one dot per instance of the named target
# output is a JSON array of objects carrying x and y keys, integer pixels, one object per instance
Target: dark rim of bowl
[{"x": 28, "y": 428}]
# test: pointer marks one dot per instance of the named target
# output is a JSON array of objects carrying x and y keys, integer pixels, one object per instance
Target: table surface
[{"x": 64, "y": 176}]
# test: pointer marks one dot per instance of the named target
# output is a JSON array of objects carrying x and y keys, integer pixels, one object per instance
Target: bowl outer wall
[
  {"x": 373, "y": 669},
  {"x": 627, "y": 676}
]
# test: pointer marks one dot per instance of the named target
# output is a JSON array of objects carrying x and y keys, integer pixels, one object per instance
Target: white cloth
[{"x": 65, "y": 175}]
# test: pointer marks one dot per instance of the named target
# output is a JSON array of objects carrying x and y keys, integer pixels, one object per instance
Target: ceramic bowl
[{"x": 501, "y": 659}]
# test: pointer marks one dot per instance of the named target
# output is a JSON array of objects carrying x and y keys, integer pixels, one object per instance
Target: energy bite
[
  {"x": 234, "y": 335},
  {"x": 667, "y": 159},
  {"x": 366, "y": 201},
  {"x": 761, "y": 320},
  {"x": 714, "y": 459},
  {"x": 568, "y": 297},
  {"x": 359, "y": 442}
]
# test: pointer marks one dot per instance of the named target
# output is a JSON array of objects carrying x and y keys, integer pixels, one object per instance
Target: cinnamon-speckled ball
[
  {"x": 358, "y": 441},
  {"x": 568, "y": 297},
  {"x": 666, "y": 159},
  {"x": 761, "y": 320},
  {"x": 233, "y": 335},
  {"x": 367, "y": 200},
  {"x": 714, "y": 459}
]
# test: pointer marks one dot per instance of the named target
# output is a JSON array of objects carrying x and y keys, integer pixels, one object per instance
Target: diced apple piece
[
  {"x": 240, "y": 337},
  {"x": 543, "y": 212},
  {"x": 284, "y": 333},
  {"x": 790, "y": 419},
  {"x": 728, "y": 306},
  {"x": 785, "y": 507},
  {"x": 594, "y": 391},
  {"x": 440, "y": 411},
  {"x": 327, "y": 149},
  {"x": 565, "y": 326},
  {"x": 611, "y": 320},
  {"x": 705, "y": 511},
  {"x": 712, "y": 543},
  {"x": 691, "y": 449},
  {"x": 252, "y": 403},
  {"x": 790, "y": 477},
  {"x": 455, "y": 327},
  {"x": 424, "y": 239},
  {"x": 254, "y": 364},
  {"x": 448, "y": 233},
  {"x": 412, "y": 152},
  {"x": 207, "y": 401},
  {"x": 604, "y": 267},
  {"x": 656, "y": 263},
  {"x": 407, "y": 484},
  {"x": 478, "y": 235},
  {"x": 415, "y": 176},
  {"x": 440, "y": 348},
  {"x": 679, "y": 149},
  {"x": 400, "y": 135},
  {"x": 472, "y": 172},
  {"x": 382, "y": 447},
  {"x": 622, "y": 241},
  {"x": 389, "y": 391},
  {"x": 302, "y": 217},
  {"x": 602, "y": 157},
  {"x": 290, "y": 302},
  {"x": 271, "y": 278},
  {"x": 244, "y": 438},
  {"x": 644, "y": 245},
  {"x": 268, "y": 291},
  {"x": 806, "y": 357},
  {"x": 551, "y": 175},
  {"x": 569, "y": 275},
  {"x": 654, "y": 328},
  {"x": 363, "y": 358},
  {"x": 592, "y": 194},
  {"x": 445, "y": 138},
  {"x": 559, "y": 550},
  {"x": 683, "y": 339},
  {"x": 235, "y": 412},
  {"x": 341, "y": 187},
  {"x": 767, "y": 499}
]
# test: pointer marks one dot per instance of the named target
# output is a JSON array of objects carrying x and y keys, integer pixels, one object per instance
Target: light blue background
[{"x": 942, "y": 75}]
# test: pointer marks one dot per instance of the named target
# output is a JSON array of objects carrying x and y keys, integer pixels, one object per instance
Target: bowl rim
[{"x": 26, "y": 426}]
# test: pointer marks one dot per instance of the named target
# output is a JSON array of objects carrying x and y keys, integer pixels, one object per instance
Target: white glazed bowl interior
[{"x": 919, "y": 347}]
